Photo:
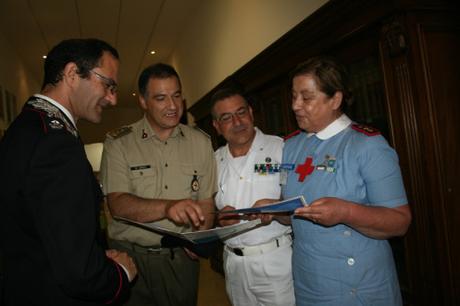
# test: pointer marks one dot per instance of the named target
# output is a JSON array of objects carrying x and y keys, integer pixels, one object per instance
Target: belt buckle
[
  {"x": 154, "y": 250},
  {"x": 238, "y": 251}
]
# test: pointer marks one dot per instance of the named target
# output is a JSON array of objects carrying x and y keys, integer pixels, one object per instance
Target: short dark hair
[
  {"x": 227, "y": 92},
  {"x": 156, "y": 71},
  {"x": 85, "y": 53},
  {"x": 329, "y": 74}
]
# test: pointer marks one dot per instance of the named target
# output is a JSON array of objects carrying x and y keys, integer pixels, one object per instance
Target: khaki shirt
[{"x": 139, "y": 163}]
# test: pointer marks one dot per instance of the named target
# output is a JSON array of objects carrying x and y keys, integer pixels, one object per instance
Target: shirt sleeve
[
  {"x": 209, "y": 180},
  {"x": 114, "y": 174},
  {"x": 380, "y": 170}
]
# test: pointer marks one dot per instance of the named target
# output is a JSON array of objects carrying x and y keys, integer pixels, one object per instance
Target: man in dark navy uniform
[{"x": 50, "y": 236}]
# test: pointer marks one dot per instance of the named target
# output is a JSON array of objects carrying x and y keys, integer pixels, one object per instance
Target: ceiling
[{"x": 133, "y": 27}]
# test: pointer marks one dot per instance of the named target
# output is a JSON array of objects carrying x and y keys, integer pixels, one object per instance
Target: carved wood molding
[{"x": 394, "y": 38}]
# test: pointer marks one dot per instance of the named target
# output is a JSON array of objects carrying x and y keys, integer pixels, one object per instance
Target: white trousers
[{"x": 264, "y": 279}]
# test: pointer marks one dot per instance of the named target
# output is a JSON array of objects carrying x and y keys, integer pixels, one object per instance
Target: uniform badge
[
  {"x": 195, "y": 185},
  {"x": 55, "y": 124},
  {"x": 264, "y": 169},
  {"x": 328, "y": 164},
  {"x": 287, "y": 167}
]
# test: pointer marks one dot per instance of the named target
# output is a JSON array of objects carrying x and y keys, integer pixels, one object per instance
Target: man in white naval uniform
[{"x": 257, "y": 263}]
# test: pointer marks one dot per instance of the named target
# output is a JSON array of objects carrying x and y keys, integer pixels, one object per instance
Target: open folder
[
  {"x": 285, "y": 206},
  {"x": 196, "y": 237}
]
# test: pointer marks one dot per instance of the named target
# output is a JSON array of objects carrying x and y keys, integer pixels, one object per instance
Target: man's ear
[
  {"x": 70, "y": 74},
  {"x": 142, "y": 102},
  {"x": 250, "y": 112},
  {"x": 216, "y": 126}
]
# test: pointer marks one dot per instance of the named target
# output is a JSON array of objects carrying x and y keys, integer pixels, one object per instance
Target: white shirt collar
[
  {"x": 58, "y": 105},
  {"x": 337, "y": 126},
  {"x": 256, "y": 143}
]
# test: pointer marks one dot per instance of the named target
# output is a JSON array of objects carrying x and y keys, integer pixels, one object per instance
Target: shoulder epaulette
[
  {"x": 120, "y": 132},
  {"x": 295, "y": 133},
  {"x": 367, "y": 130},
  {"x": 55, "y": 119}
]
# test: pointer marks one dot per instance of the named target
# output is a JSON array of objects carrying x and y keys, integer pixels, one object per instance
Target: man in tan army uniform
[{"x": 159, "y": 170}]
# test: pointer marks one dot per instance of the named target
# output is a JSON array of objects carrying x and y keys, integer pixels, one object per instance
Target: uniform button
[
  {"x": 241, "y": 177},
  {"x": 351, "y": 261},
  {"x": 166, "y": 165},
  {"x": 347, "y": 233},
  {"x": 141, "y": 173},
  {"x": 166, "y": 186},
  {"x": 353, "y": 291}
]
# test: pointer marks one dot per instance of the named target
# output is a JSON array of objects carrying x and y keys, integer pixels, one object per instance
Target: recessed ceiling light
[
  {"x": 152, "y": 52},
  {"x": 44, "y": 56},
  {"x": 134, "y": 94}
]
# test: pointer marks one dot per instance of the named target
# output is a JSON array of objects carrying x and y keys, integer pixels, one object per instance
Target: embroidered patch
[
  {"x": 367, "y": 130},
  {"x": 55, "y": 124},
  {"x": 53, "y": 112}
]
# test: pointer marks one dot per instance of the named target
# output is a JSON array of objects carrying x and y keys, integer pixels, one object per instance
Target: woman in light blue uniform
[{"x": 351, "y": 178}]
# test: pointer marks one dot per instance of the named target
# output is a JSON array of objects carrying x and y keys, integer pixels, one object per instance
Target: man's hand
[
  {"x": 228, "y": 219},
  {"x": 264, "y": 218},
  {"x": 268, "y": 218},
  {"x": 185, "y": 212},
  {"x": 124, "y": 260}
]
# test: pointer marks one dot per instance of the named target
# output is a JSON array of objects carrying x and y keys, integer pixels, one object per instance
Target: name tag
[{"x": 141, "y": 167}]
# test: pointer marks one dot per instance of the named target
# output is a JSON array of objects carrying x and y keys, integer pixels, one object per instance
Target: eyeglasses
[
  {"x": 109, "y": 83},
  {"x": 240, "y": 113}
]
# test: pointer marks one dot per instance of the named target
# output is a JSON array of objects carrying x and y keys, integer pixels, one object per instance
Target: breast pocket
[
  {"x": 145, "y": 181},
  {"x": 193, "y": 178}
]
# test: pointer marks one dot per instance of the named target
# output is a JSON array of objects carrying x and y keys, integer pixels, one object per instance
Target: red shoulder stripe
[
  {"x": 292, "y": 135},
  {"x": 367, "y": 130}
]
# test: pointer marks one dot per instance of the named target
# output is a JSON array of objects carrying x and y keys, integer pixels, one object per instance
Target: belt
[
  {"x": 149, "y": 250},
  {"x": 144, "y": 249},
  {"x": 261, "y": 248}
]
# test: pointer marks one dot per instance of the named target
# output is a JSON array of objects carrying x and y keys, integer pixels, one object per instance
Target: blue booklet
[{"x": 286, "y": 206}]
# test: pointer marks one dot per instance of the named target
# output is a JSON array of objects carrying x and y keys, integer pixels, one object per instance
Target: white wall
[
  {"x": 223, "y": 35},
  {"x": 14, "y": 77}
]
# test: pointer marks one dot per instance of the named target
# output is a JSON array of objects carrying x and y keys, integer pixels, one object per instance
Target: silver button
[
  {"x": 353, "y": 291},
  {"x": 351, "y": 261},
  {"x": 347, "y": 233}
]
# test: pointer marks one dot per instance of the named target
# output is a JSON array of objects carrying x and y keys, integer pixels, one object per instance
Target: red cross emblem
[{"x": 305, "y": 169}]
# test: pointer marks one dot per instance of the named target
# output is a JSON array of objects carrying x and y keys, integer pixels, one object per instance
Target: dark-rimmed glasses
[
  {"x": 109, "y": 83},
  {"x": 240, "y": 113}
]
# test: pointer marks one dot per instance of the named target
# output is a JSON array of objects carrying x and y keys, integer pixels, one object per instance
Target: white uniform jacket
[{"x": 244, "y": 180}]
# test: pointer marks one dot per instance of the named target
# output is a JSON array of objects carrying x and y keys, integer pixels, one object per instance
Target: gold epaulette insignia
[
  {"x": 120, "y": 132},
  {"x": 367, "y": 130}
]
